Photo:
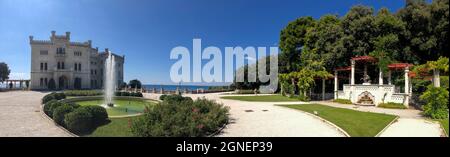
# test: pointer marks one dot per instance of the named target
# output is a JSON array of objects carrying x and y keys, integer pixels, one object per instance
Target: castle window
[
  {"x": 42, "y": 66},
  {"x": 44, "y": 52},
  {"x": 60, "y": 50},
  {"x": 62, "y": 65},
  {"x": 79, "y": 66},
  {"x": 77, "y": 53},
  {"x": 46, "y": 81},
  {"x": 41, "y": 83},
  {"x": 76, "y": 66},
  {"x": 45, "y": 66}
]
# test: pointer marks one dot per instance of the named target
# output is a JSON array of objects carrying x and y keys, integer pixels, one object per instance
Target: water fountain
[{"x": 109, "y": 80}]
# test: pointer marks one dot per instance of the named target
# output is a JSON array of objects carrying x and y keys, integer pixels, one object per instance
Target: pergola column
[
  {"x": 336, "y": 84},
  {"x": 390, "y": 77},
  {"x": 352, "y": 79},
  {"x": 406, "y": 102},
  {"x": 323, "y": 89},
  {"x": 436, "y": 78},
  {"x": 380, "y": 77}
]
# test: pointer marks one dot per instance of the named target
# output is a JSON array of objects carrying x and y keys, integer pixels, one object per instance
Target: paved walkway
[
  {"x": 264, "y": 119},
  {"x": 20, "y": 116},
  {"x": 413, "y": 127}
]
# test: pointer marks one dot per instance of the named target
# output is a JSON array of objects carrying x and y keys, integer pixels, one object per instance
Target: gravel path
[
  {"x": 20, "y": 116},
  {"x": 264, "y": 119}
]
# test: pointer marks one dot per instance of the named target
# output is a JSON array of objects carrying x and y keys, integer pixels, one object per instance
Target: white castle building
[{"x": 64, "y": 64}]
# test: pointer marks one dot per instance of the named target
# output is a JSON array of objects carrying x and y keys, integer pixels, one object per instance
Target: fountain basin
[{"x": 123, "y": 106}]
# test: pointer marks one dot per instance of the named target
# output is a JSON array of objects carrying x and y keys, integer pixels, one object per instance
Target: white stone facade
[{"x": 71, "y": 65}]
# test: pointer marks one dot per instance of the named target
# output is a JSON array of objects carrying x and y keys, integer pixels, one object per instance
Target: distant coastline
[{"x": 181, "y": 87}]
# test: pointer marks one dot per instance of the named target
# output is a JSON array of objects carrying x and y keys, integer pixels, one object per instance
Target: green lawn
[
  {"x": 122, "y": 107},
  {"x": 444, "y": 123},
  {"x": 118, "y": 127},
  {"x": 355, "y": 123},
  {"x": 262, "y": 98}
]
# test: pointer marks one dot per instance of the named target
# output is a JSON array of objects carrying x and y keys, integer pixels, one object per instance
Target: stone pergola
[{"x": 368, "y": 93}]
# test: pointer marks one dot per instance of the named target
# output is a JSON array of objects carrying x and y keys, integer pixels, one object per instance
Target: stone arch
[{"x": 63, "y": 82}]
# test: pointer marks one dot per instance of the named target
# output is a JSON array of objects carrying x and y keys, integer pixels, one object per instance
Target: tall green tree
[
  {"x": 135, "y": 83},
  {"x": 323, "y": 39},
  {"x": 4, "y": 72},
  {"x": 359, "y": 28},
  {"x": 292, "y": 39},
  {"x": 387, "y": 46},
  {"x": 420, "y": 41}
]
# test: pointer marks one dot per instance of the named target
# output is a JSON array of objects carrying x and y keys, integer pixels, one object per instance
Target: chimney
[
  {"x": 31, "y": 38},
  {"x": 90, "y": 43},
  {"x": 53, "y": 33},
  {"x": 96, "y": 49},
  {"x": 106, "y": 50}
]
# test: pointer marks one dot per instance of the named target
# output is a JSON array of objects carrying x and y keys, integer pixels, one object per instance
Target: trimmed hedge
[
  {"x": 392, "y": 105},
  {"x": 51, "y": 96},
  {"x": 99, "y": 114},
  {"x": 83, "y": 93},
  {"x": 79, "y": 121},
  {"x": 133, "y": 94},
  {"x": 343, "y": 101},
  {"x": 59, "y": 113},
  {"x": 50, "y": 106}
]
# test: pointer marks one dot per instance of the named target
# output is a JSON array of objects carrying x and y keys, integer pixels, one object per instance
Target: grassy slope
[
  {"x": 355, "y": 123},
  {"x": 262, "y": 98},
  {"x": 118, "y": 127}
]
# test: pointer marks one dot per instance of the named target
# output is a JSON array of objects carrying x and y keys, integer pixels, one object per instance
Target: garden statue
[{"x": 366, "y": 79}]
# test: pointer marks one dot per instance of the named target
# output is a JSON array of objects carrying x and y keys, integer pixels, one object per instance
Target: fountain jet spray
[{"x": 110, "y": 80}]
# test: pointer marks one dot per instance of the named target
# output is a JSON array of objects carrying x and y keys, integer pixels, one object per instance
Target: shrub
[
  {"x": 48, "y": 98},
  {"x": 79, "y": 121},
  {"x": 162, "y": 97},
  {"x": 59, "y": 113},
  {"x": 50, "y": 107},
  {"x": 392, "y": 105},
  {"x": 51, "y": 96},
  {"x": 99, "y": 114},
  {"x": 60, "y": 96},
  {"x": 343, "y": 101},
  {"x": 174, "y": 98},
  {"x": 83, "y": 92},
  {"x": 181, "y": 119},
  {"x": 436, "y": 99}
]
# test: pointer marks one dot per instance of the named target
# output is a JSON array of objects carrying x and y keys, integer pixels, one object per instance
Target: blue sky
[{"x": 146, "y": 31}]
